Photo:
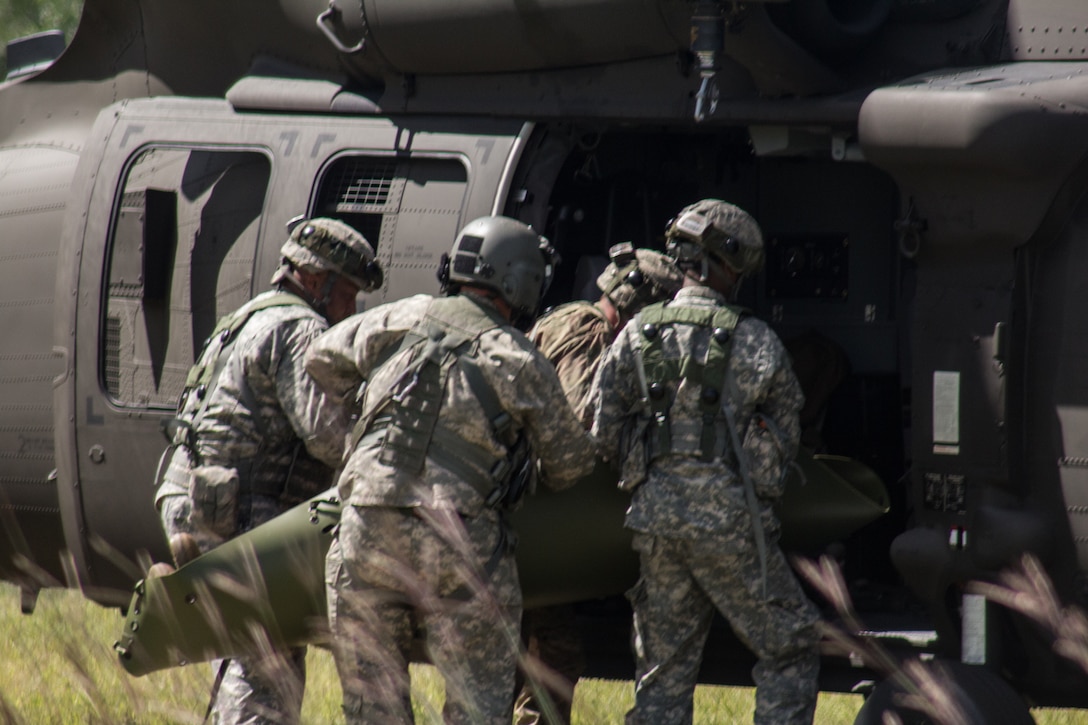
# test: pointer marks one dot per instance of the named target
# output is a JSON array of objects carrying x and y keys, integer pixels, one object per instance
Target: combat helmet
[
  {"x": 635, "y": 278},
  {"x": 502, "y": 255},
  {"x": 324, "y": 244},
  {"x": 724, "y": 231}
]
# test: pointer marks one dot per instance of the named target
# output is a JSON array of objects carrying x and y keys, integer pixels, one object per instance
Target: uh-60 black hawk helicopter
[{"x": 918, "y": 167}]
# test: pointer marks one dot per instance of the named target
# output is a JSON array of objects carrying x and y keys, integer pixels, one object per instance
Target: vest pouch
[{"x": 214, "y": 493}]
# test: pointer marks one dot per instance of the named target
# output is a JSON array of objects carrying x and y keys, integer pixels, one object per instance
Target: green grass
[{"x": 58, "y": 666}]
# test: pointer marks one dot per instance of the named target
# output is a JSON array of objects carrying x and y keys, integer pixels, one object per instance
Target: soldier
[
  {"x": 453, "y": 397},
  {"x": 574, "y": 338},
  {"x": 698, "y": 400},
  {"x": 254, "y": 436}
]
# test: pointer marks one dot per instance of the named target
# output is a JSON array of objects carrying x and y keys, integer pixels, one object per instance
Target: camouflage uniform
[
  {"x": 413, "y": 549},
  {"x": 694, "y": 531},
  {"x": 266, "y": 419},
  {"x": 574, "y": 337}
]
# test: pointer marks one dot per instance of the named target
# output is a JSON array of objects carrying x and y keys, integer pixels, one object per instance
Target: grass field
[{"x": 58, "y": 666}]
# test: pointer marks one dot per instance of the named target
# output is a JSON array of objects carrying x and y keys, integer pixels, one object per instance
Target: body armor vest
[
  {"x": 205, "y": 372},
  {"x": 661, "y": 376},
  {"x": 200, "y": 384},
  {"x": 406, "y": 417}
]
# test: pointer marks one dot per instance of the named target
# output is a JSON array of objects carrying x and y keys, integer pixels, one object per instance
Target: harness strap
[
  {"x": 449, "y": 450},
  {"x": 416, "y": 398},
  {"x": 407, "y": 415},
  {"x": 716, "y": 398}
]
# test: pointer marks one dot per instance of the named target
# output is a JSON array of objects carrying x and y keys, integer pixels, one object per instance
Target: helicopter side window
[
  {"x": 408, "y": 207},
  {"x": 181, "y": 255}
]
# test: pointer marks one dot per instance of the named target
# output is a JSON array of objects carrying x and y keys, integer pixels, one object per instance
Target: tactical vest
[
  {"x": 205, "y": 372},
  {"x": 200, "y": 384},
  {"x": 405, "y": 418},
  {"x": 660, "y": 377}
]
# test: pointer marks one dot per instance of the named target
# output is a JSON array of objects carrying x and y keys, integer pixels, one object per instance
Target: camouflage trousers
[
  {"x": 682, "y": 583},
  {"x": 253, "y": 690},
  {"x": 393, "y": 571}
]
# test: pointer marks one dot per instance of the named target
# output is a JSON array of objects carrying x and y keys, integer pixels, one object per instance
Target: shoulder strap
[{"x": 754, "y": 509}]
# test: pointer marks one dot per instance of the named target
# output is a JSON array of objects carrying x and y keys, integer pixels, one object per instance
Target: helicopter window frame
[
  {"x": 145, "y": 369},
  {"x": 403, "y": 248}
]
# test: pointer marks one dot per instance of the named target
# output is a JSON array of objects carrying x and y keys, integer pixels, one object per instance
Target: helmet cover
[
  {"x": 635, "y": 278},
  {"x": 719, "y": 229},
  {"x": 325, "y": 244}
]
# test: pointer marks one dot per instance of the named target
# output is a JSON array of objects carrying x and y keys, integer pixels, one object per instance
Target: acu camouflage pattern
[
  {"x": 523, "y": 380},
  {"x": 393, "y": 571},
  {"x": 696, "y": 540},
  {"x": 683, "y": 496},
  {"x": 574, "y": 338},
  {"x": 413, "y": 548},
  {"x": 261, "y": 407},
  {"x": 683, "y": 581}
]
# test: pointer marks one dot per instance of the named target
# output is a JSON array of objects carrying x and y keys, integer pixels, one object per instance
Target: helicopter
[{"x": 918, "y": 168}]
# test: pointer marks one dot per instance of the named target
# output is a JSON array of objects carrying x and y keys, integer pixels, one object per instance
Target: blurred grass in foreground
[{"x": 58, "y": 666}]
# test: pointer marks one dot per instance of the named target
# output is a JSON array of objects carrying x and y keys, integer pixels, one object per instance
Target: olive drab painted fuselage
[{"x": 917, "y": 167}]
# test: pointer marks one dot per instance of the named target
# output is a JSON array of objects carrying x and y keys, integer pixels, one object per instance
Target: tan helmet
[
  {"x": 503, "y": 255},
  {"x": 635, "y": 278},
  {"x": 324, "y": 244},
  {"x": 715, "y": 227}
]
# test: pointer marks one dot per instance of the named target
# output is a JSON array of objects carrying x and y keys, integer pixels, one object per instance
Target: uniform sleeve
[
  {"x": 615, "y": 396},
  {"x": 320, "y": 421},
  {"x": 774, "y": 432},
  {"x": 342, "y": 359},
  {"x": 784, "y": 402},
  {"x": 331, "y": 361},
  {"x": 559, "y": 441}
]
